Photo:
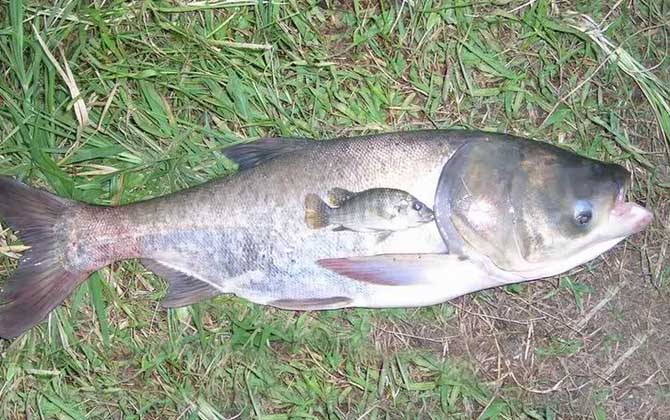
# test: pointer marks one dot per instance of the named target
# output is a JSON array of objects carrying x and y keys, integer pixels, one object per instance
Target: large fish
[{"x": 506, "y": 209}]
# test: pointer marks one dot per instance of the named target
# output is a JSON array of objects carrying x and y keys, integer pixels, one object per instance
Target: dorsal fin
[{"x": 248, "y": 155}]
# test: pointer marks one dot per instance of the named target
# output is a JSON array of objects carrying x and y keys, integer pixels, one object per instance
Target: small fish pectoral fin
[
  {"x": 406, "y": 269},
  {"x": 337, "y": 196},
  {"x": 312, "y": 304},
  {"x": 183, "y": 289}
]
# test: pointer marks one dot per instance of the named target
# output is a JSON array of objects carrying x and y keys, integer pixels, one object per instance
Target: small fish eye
[
  {"x": 417, "y": 206},
  {"x": 583, "y": 213}
]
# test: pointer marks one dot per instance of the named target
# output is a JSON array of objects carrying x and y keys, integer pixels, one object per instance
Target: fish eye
[
  {"x": 417, "y": 206},
  {"x": 583, "y": 213}
]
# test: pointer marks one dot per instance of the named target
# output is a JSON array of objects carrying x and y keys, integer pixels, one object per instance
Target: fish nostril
[{"x": 620, "y": 185}]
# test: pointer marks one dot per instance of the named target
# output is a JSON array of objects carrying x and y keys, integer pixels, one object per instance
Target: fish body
[
  {"x": 246, "y": 234},
  {"x": 373, "y": 210}
]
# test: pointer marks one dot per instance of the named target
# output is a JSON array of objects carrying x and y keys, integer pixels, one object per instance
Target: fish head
[
  {"x": 407, "y": 208},
  {"x": 420, "y": 212},
  {"x": 533, "y": 208},
  {"x": 414, "y": 211}
]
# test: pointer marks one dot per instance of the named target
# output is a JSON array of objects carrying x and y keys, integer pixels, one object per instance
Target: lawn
[{"x": 111, "y": 102}]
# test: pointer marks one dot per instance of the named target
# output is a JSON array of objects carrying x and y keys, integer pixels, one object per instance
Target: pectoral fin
[{"x": 405, "y": 269}]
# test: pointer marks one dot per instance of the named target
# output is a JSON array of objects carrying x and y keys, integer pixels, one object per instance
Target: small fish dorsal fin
[
  {"x": 337, "y": 196},
  {"x": 248, "y": 155}
]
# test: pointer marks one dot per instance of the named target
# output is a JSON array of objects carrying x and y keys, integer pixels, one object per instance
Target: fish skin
[{"x": 242, "y": 233}]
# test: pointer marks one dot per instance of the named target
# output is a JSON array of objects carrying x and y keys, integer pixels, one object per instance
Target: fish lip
[
  {"x": 627, "y": 213},
  {"x": 632, "y": 215}
]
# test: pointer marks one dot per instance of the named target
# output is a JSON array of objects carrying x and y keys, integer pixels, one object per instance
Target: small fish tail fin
[
  {"x": 42, "y": 281},
  {"x": 316, "y": 212}
]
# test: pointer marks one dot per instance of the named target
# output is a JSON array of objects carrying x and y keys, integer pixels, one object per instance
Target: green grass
[{"x": 166, "y": 86}]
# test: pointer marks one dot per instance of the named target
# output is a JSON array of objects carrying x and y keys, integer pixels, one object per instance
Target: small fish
[{"x": 373, "y": 210}]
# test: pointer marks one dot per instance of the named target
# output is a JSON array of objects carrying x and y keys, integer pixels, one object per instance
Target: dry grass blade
[
  {"x": 638, "y": 342},
  {"x": 656, "y": 92},
  {"x": 80, "y": 109}
]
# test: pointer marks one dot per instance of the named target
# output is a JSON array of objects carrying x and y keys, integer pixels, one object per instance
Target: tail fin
[
  {"x": 316, "y": 212},
  {"x": 42, "y": 281}
]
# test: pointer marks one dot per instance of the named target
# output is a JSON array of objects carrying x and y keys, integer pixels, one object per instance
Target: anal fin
[{"x": 183, "y": 289}]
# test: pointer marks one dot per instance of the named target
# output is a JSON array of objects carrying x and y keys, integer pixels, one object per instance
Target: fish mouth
[{"x": 631, "y": 216}]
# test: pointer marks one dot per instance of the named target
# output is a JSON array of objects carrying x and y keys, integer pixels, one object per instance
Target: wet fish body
[
  {"x": 245, "y": 234},
  {"x": 373, "y": 210}
]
